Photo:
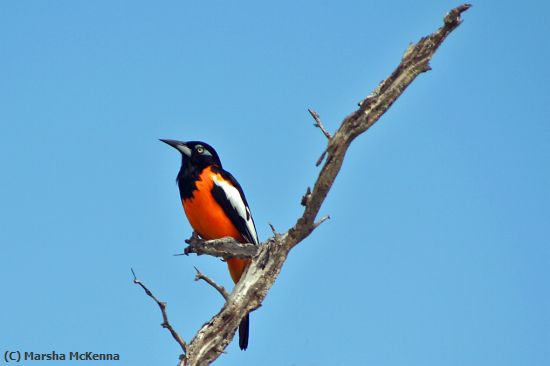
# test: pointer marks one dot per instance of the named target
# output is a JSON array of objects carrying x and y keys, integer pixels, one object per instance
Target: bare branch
[
  {"x": 272, "y": 228},
  {"x": 323, "y": 219},
  {"x": 268, "y": 259},
  {"x": 319, "y": 123},
  {"x": 225, "y": 248},
  {"x": 162, "y": 305},
  {"x": 211, "y": 282},
  {"x": 321, "y": 158},
  {"x": 414, "y": 62}
]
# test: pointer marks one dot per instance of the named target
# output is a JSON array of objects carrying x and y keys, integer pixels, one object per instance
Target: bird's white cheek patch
[{"x": 184, "y": 149}]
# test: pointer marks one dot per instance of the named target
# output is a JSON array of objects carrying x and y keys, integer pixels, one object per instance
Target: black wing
[{"x": 230, "y": 196}]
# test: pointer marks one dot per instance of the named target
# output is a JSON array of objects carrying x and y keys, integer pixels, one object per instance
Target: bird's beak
[{"x": 179, "y": 145}]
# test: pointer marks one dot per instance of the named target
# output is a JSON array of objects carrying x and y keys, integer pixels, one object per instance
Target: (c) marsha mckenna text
[{"x": 71, "y": 356}]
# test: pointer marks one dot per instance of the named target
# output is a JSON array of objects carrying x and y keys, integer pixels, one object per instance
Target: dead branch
[
  {"x": 323, "y": 219},
  {"x": 268, "y": 259},
  {"x": 225, "y": 248},
  {"x": 318, "y": 123},
  {"x": 162, "y": 305},
  {"x": 211, "y": 282},
  {"x": 266, "y": 265}
]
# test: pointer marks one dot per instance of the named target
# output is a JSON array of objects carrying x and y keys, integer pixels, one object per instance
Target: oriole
[{"x": 215, "y": 205}]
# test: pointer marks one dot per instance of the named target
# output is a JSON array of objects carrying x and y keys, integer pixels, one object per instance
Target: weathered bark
[
  {"x": 225, "y": 248},
  {"x": 268, "y": 258}
]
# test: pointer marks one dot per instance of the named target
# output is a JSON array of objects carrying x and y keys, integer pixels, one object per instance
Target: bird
[{"x": 215, "y": 205}]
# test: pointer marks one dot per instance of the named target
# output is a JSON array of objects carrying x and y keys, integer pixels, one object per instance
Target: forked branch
[
  {"x": 165, "y": 322},
  {"x": 268, "y": 258},
  {"x": 201, "y": 276}
]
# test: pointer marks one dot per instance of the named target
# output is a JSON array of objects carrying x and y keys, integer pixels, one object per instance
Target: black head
[{"x": 196, "y": 153}]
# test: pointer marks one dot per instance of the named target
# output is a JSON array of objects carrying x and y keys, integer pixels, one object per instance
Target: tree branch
[
  {"x": 318, "y": 123},
  {"x": 162, "y": 305},
  {"x": 414, "y": 62},
  {"x": 323, "y": 219},
  {"x": 211, "y": 282},
  {"x": 268, "y": 259},
  {"x": 225, "y": 248}
]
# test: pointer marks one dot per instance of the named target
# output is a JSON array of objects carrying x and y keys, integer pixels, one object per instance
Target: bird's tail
[{"x": 243, "y": 332}]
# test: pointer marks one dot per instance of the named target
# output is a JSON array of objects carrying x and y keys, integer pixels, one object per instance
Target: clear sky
[{"x": 438, "y": 247}]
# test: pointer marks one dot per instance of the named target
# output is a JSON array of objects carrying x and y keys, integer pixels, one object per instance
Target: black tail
[{"x": 243, "y": 332}]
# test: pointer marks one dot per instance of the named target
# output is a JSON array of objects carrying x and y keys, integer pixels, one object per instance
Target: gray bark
[{"x": 269, "y": 258}]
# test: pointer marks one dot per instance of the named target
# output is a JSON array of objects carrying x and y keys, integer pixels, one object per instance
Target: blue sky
[{"x": 438, "y": 248}]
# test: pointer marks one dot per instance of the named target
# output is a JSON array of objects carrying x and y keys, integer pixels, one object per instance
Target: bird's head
[{"x": 196, "y": 153}]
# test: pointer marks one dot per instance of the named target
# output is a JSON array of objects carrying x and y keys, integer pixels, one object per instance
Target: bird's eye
[{"x": 200, "y": 149}]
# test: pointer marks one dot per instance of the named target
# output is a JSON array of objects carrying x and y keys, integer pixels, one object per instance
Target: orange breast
[
  {"x": 208, "y": 219},
  {"x": 205, "y": 215}
]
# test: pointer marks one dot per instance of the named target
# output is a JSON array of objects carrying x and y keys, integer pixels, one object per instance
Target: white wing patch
[{"x": 234, "y": 197}]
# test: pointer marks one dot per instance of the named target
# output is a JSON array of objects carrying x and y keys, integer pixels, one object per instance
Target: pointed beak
[{"x": 178, "y": 145}]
